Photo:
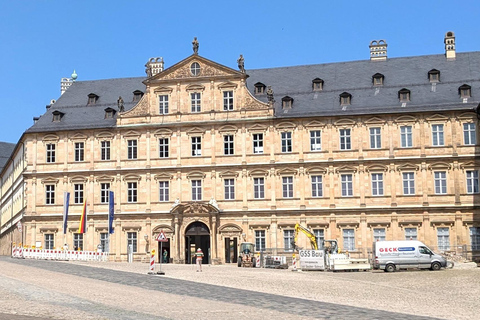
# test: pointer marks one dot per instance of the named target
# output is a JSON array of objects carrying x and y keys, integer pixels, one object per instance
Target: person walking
[
  {"x": 165, "y": 255},
  {"x": 199, "y": 255}
]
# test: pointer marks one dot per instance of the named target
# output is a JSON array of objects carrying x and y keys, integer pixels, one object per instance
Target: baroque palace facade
[{"x": 214, "y": 156}]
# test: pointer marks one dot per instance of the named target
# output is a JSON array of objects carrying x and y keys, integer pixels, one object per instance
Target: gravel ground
[{"x": 447, "y": 294}]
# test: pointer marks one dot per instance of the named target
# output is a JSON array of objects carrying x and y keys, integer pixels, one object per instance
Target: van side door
[{"x": 425, "y": 257}]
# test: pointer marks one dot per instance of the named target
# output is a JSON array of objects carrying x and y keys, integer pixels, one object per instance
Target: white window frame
[
  {"x": 287, "y": 187},
  {"x": 438, "y": 135},
  {"x": 345, "y": 139},
  {"x": 348, "y": 239},
  {"x": 288, "y": 236},
  {"x": 132, "y": 192},
  {"x": 316, "y": 140},
  {"x": 257, "y": 143},
  {"x": 132, "y": 240},
  {"x": 411, "y": 233},
  {"x": 196, "y": 146},
  {"x": 49, "y": 239},
  {"x": 375, "y": 138},
  {"x": 319, "y": 237},
  {"x": 347, "y": 184},
  {"x": 50, "y": 147},
  {"x": 163, "y": 104},
  {"x": 440, "y": 182},
  {"x": 317, "y": 186},
  {"x": 379, "y": 234},
  {"x": 132, "y": 149},
  {"x": 228, "y": 144},
  {"x": 104, "y": 192},
  {"x": 260, "y": 240},
  {"x": 104, "y": 241},
  {"x": 163, "y": 147},
  {"x": 228, "y": 100},
  {"x": 229, "y": 188},
  {"x": 105, "y": 150},
  {"x": 79, "y": 151},
  {"x": 163, "y": 191},
  {"x": 469, "y": 134},
  {"x": 475, "y": 238},
  {"x": 377, "y": 184},
  {"x": 196, "y": 101},
  {"x": 406, "y": 138},
  {"x": 78, "y": 241},
  {"x": 49, "y": 194},
  {"x": 443, "y": 238},
  {"x": 472, "y": 181},
  {"x": 408, "y": 183},
  {"x": 259, "y": 188},
  {"x": 78, "y": 193},
  {"x": 196, "y": 190},
  {"x": 286, "y": 138}
]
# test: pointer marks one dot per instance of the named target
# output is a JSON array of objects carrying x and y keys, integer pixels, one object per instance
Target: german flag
[{"x": 83, "y": 220}]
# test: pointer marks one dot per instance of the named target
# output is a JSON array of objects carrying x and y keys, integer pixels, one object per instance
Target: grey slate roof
[
  {"x": 6, "y": 150},
  {"x": 353, "y": 77}
]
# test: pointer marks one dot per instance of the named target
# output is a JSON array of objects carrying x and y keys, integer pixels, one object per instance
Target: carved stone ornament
[
  {"x": 251, "y": 103},
  {"x": 195, "y": 208},
  {"x": 141, "y": 109},
  {"x": 184, "y": 72}
]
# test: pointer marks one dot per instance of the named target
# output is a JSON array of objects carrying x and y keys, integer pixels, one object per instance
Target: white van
[{"x": 393, "y": 255}]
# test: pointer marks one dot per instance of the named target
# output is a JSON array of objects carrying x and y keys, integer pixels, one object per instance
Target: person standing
[
  {"x": 199, "y": 255},
  {"x": 165, "y": 255}
]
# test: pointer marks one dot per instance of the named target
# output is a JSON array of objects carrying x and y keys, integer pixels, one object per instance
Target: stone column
[{"x": 214, "y": 257}]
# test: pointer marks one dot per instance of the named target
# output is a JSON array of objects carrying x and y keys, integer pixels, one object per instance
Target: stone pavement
[{"x": 167, "y": 298}]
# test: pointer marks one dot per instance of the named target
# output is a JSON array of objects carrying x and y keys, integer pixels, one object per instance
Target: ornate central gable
[{"x": 194, "y": 67}]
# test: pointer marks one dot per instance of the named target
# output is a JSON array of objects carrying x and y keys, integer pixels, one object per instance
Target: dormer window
[
  {"x": 259, "y": 88},
  {"x": 377, "y": 79},
  {"x": 465, "y": 91},
  {"x": 345, "y": 99},
  {"x": 92, "y": 98},
  {"x": 404, "y": 95},
  {"x": 434, "y": 75},
  {"x": 317, "y": 84},
  {"x": 287, "y": 102},
  {"x": 137, "y": 95},
  {"x": 109, "y": 113},
  {"x": 57, "y": 116}
]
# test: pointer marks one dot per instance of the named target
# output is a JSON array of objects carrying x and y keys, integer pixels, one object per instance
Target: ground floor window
[
  {"x": 259, "y": 240},
  {"x": 319, "y": 237},
  {"x": 443, "y": 235},
  {"x": 49, "y": 243},
  {"x": 348, "y": 239},
  {"x": 78, "y": 241},
  {"x": 288, "y": 240},
  {"x": 410, "y": 233},
  {"x": 132, "y": 240},
  {"x": 475, "y": 238},
  {"x": 379, "y": 234},
  {"x": 104, "y": 242}
]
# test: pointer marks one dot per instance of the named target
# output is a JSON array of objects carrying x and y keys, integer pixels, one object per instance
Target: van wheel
[
  {"x": 436, "y": 266},
  {"x": 389, "y": 268}
]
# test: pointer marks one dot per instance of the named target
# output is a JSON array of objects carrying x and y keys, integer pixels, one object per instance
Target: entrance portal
[
  {"x": 230, "y": 250},
  {"x": 197, "y": 236}
]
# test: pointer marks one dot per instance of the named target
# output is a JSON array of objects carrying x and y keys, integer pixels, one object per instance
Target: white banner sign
[{"x": 312, "y": 260}]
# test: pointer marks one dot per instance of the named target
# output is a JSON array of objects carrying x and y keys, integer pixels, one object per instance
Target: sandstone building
[{"x": 213, "y": 156}]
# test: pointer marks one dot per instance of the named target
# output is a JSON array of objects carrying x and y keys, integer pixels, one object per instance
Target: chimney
[
  {"x": 65, "y": 83},
  {"x": 154, "y": 66},
  {"x": 449, "y": 45},
  {"x": 378, "y": 50}
]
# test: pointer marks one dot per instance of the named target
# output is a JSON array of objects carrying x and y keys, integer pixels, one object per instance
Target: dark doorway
[
  {"x": 164, "y": 246},
  {"x": 197, "y": 236},
  {"x": 230, "y": 250}
]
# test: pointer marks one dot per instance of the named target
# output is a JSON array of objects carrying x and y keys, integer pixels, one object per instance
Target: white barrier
[{"x": 65, "y": 255}]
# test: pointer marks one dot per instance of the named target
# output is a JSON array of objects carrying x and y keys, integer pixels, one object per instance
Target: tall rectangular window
[
  {"x": 259, "y": 188},
  {"x": 132, "y": 240},
  {"x": 288, "y": 240},
  {"x": 104, "y": 192},
  {"x": 196, "y": 101},
  {"x": 349, "y": 239},
  {"x": 163, "y": 104},
  {"x": 258, "y": 143},
  {"x": 229, "y": 189},
  {"x": 440, "y": 178},
  {"x": 345, "y": 139},
  {"x": 132, "y": 149},
  {"x": 472, "y": 181},
  {"x": 196, "y": 146},
  {"x": 105, "y": 150},
  {"x": 347, "y": 185},
  {"x": 227, "y": 100},
  {"x": 78, "y": 241},
  {"x": 410, "y": 233},
  {"x": 78, "y": 194},
  {"x": 316, "y": 140},
  {"x": 49, "y": 194},
  {"x": 163, "y": 148},
  {"x": 437, "y": 135},
  {"x": 443, "y": 236},
  {"x": 260, "y": 240},
  {"x": 104, "y": 242},
  {"x": 319, "y": 237},
  {"x": 377, "y": 184},
  {"x": 228, "y": 145},
  {"x": 408, "y": 183},
  {"x": 49, "y": 243},
  {"x": 164, "y": 191},
  {"x": 469, "y": 135},
  {"x": 287, "y": 187},
  {"x": 196, "y": 190},
  {"x": 379, "y": 234},
  {"x": 317, "y": 186},
  {"x": 375, "y": 138},
  {"x": 475, "y": 238},
  {"x": 50, "y": 152},
  {"x": 406, "y": 136},
  {"x": 286, "y": 142},
  {"x": 79, "y": 151},
  {"x": 132, "y": 192}
]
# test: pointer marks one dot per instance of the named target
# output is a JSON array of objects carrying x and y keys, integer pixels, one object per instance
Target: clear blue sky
[{"x": 43, "y": 41}]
